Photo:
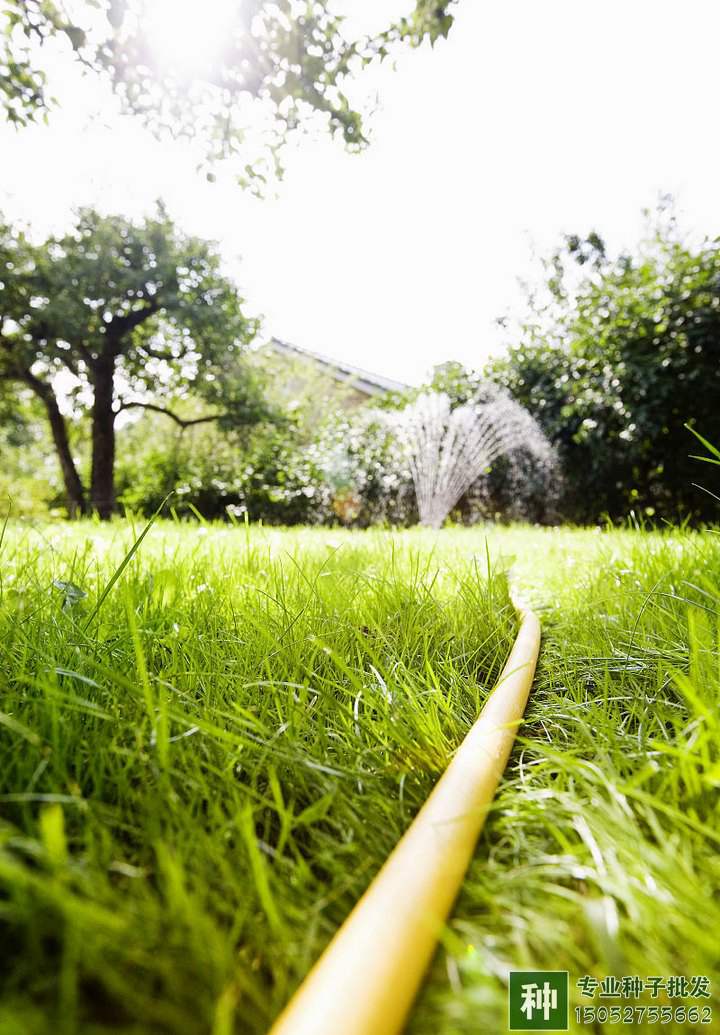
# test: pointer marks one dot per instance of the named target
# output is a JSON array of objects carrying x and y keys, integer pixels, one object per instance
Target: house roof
[{"x": 362, "y": 380}]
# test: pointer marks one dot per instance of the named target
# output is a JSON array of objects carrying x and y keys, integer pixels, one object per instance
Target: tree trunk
[
  {"x": 102, "y": 483},
  {"x": 74, "y": 489}
]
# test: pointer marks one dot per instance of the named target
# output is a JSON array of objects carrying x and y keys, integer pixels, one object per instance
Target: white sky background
[{"x": 533, "y": 119}]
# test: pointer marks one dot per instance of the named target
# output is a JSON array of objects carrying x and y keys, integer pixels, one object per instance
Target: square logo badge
[{"x": 538, "y": 1000}]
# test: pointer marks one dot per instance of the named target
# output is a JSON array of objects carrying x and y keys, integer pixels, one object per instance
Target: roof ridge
[{"x": 386, "y": 384}]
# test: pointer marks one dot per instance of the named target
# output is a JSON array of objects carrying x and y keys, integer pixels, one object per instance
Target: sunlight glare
[{"x": 187, "y": 34}]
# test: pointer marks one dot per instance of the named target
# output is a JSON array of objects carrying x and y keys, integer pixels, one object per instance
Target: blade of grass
[{"x": 124, "y": 563}]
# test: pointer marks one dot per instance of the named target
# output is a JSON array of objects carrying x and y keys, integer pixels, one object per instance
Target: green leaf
[
  {"x": 72, "y": 594},
  {"x": 76, "y": 35},
  {"x": 52, "y": 833},
  {"x": 708, "y": 445}
]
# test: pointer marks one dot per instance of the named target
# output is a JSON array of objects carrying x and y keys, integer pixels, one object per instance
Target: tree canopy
[
  {"x": 275, "y": 62},
  {"x": 114, "y": 316}
]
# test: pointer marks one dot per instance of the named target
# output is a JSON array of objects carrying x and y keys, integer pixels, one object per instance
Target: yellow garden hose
[{"x": 367, "y": 978}]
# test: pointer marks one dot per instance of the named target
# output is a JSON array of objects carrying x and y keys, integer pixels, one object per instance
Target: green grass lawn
[{"x": 200, "y": 777}]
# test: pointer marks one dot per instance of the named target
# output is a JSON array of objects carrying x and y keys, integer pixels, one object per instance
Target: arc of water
[{"x": 448, "y": 449}]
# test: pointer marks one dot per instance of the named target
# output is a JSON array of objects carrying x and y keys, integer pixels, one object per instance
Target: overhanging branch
[{"x": 180, "y": 421}]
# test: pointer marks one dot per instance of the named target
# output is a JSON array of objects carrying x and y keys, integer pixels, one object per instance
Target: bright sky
[{"x": 532, "y": 120}]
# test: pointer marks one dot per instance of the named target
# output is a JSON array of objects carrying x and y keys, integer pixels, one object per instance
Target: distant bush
[
  {"x": 345, "y": 472},
  {"x": 30, "y": 484},
  {"x": 262, "y": 474},
  {"x": 363, "y": 476}
]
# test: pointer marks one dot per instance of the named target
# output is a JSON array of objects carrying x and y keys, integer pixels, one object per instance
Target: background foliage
[
  {"x": 619, "y": 356},
  {"x": 613, "y": 357},
  {"x": 281, "y": 66}
]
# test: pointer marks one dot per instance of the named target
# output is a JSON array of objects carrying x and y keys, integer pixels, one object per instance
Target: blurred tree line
[{"x": 614, "y": 356}]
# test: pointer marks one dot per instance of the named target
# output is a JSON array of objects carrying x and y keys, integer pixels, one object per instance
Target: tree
[
  {"x": 280, "y": 63},
  {"x": 621, "y": 354},
  {"x": 115, "y": 316}
]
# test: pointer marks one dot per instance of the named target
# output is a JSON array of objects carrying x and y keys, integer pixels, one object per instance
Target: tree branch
[
  {"x": 119, "y": 326},
  {"x": 84, "y": 352},
  {"x": 41, "y": 388},
  {"x": 15, "y": 371},
  {"x": 180, "y": 421},
  {"x": 164, "y": 355}
]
